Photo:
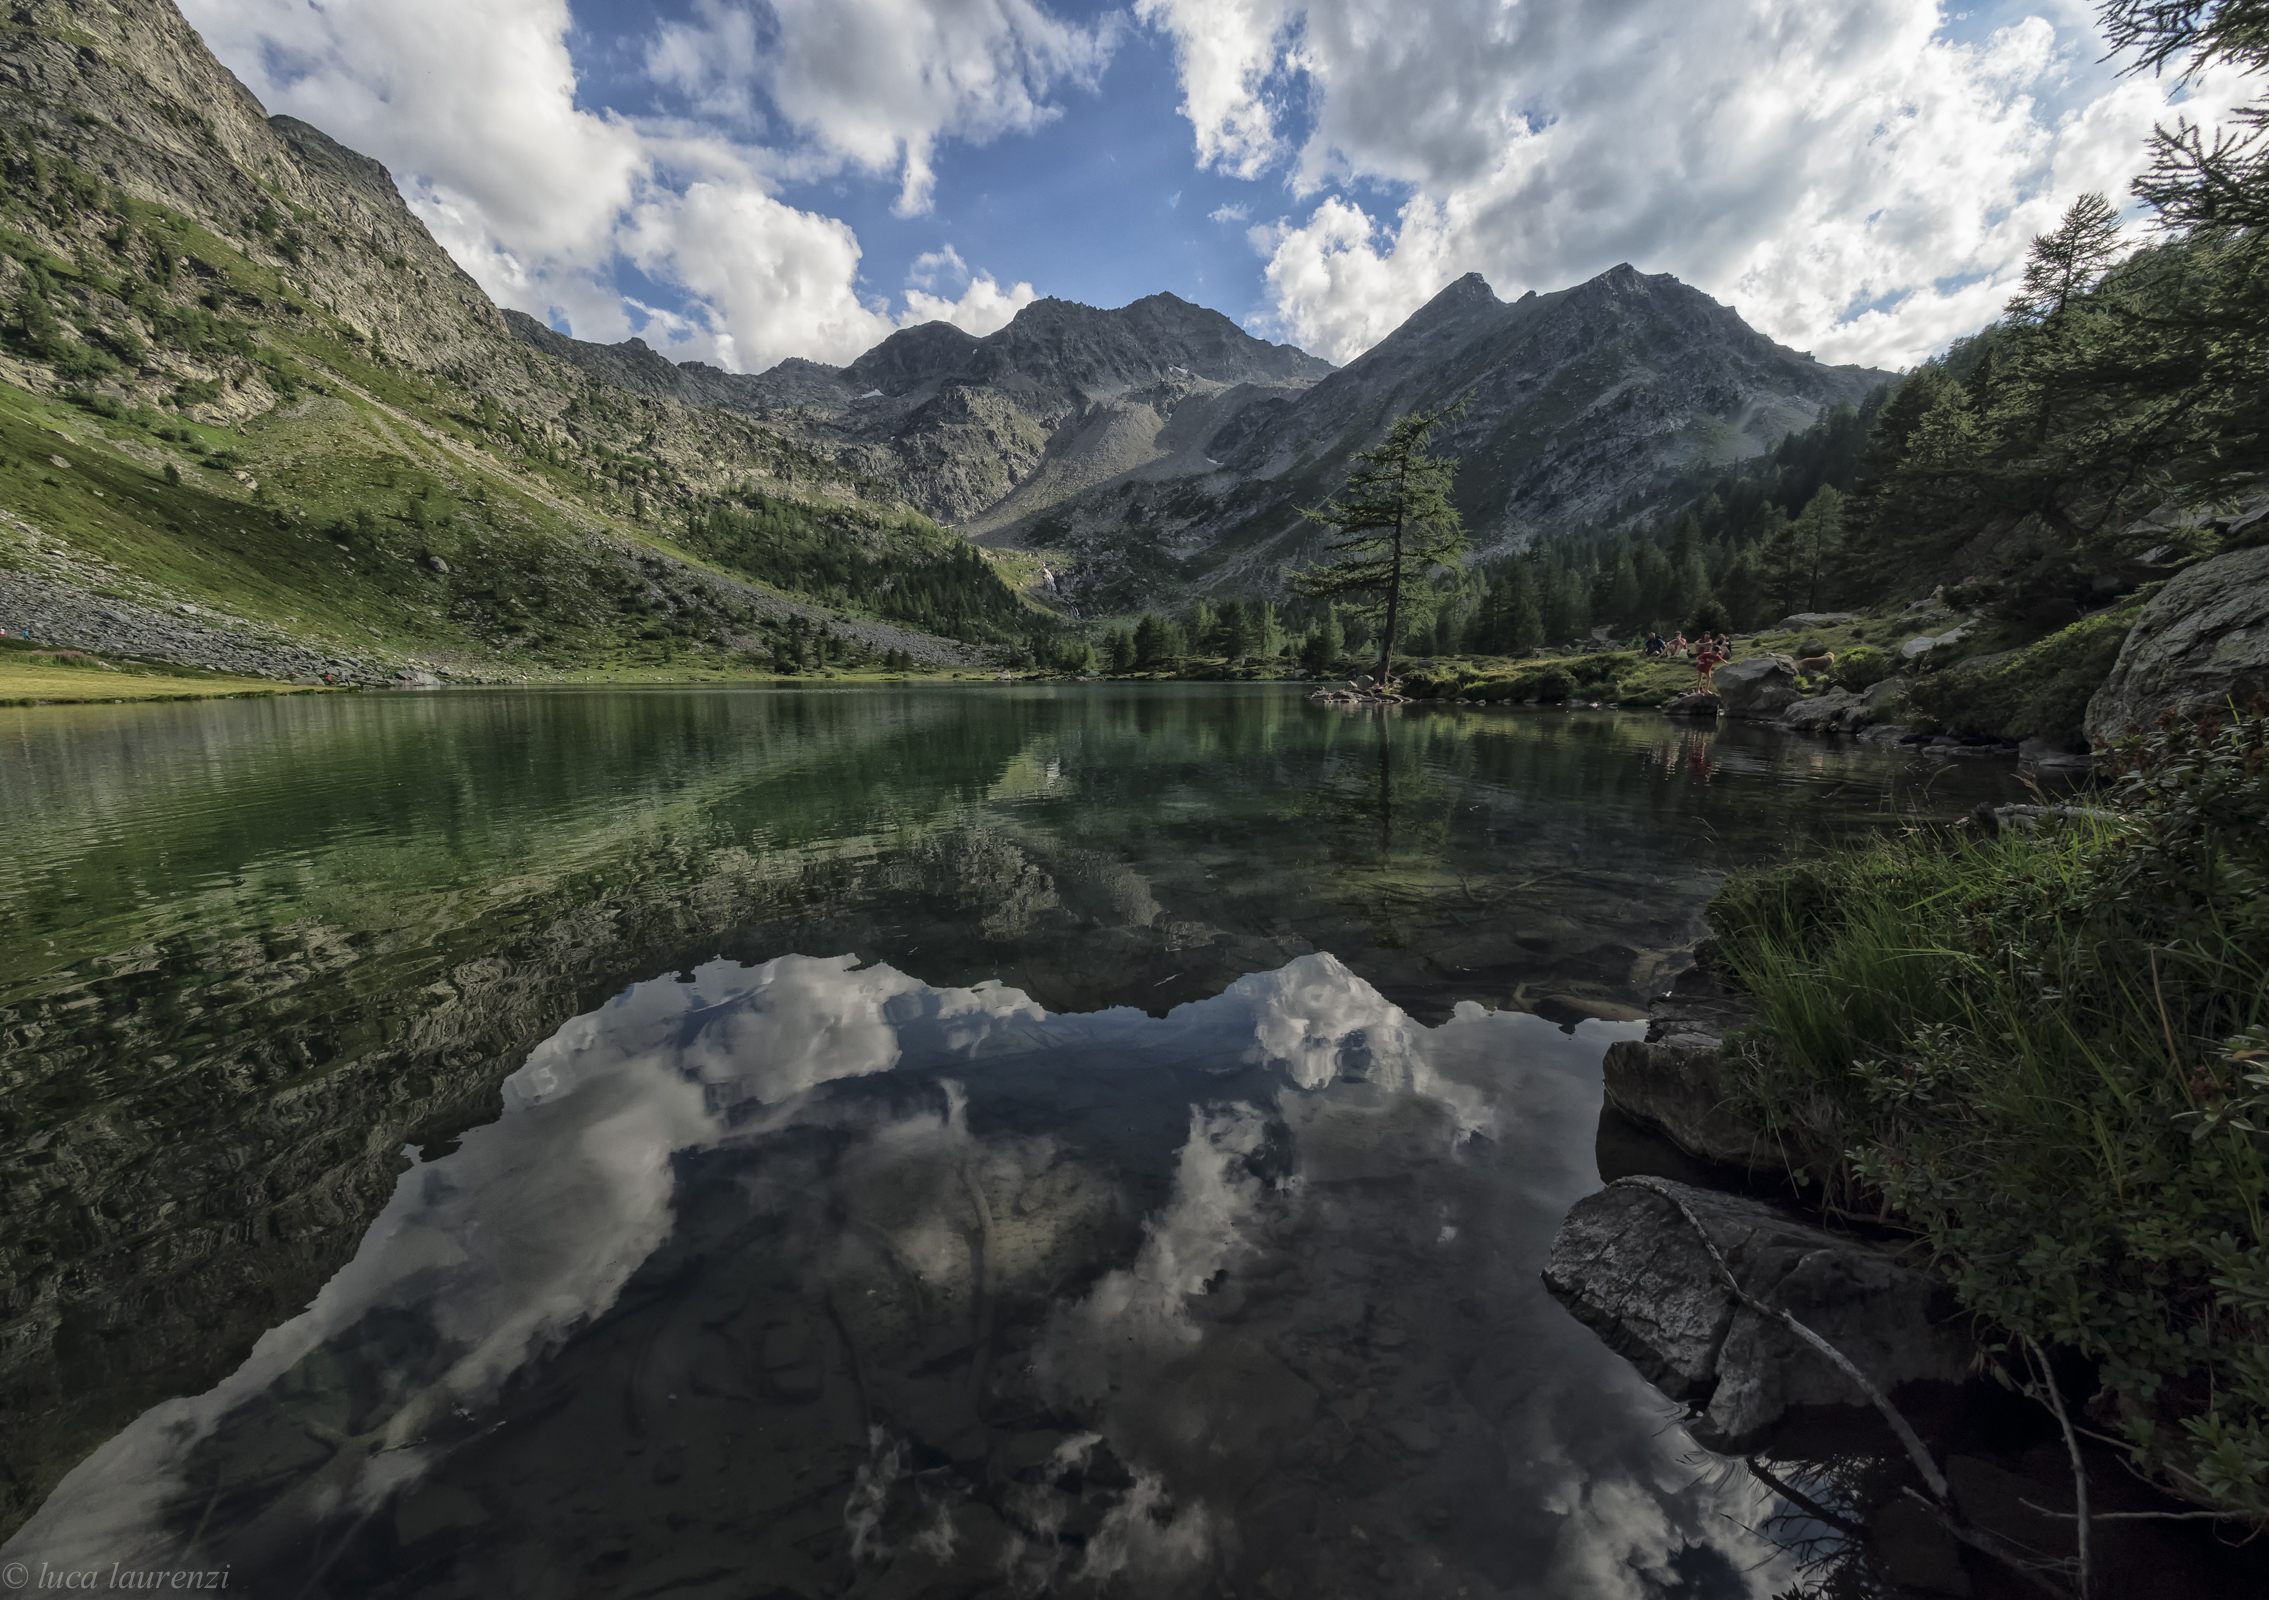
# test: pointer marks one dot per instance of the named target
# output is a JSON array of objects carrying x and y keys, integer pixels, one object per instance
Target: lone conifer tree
[
  {"x": 2067, "y": 261},
  {"x": 1392, "y": 524}
]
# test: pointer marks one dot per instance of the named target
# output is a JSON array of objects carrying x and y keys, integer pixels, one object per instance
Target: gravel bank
[{"x": 57, "y": 612}]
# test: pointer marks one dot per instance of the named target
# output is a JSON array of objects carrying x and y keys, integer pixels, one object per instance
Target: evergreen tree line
[
  {"x": 904, "y": 571},
  {"x": 1235, "y": 630},
  {"x": 2018, "y": 460}
]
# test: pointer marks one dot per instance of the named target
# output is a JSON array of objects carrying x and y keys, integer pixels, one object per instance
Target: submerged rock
[
  {"x": 2202, "y": 640},
  {"x": 1762, "y": 686},
  {"x": 1629, "y": 1266}
]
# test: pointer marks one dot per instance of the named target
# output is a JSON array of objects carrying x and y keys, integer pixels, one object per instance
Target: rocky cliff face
[
  {"x": 978, "y": 431},
  {"x": 1577, "y": 401},
  {"x": 128, "y": 90},
  {"x": 1163, "y": 445}
]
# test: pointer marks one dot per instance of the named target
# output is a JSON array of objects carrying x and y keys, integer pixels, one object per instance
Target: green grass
[
  {"x": 2040, "y": 690},
  {"x": 354, "y": 448},
  {"x": 2049, "y": 1053}
]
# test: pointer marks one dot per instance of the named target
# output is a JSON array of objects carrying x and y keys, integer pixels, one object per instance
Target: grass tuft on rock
[{"x": 2049, "y": 1052}]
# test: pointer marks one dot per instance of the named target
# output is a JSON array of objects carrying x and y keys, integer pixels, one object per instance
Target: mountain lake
[{"x": 899, "y": 1142}]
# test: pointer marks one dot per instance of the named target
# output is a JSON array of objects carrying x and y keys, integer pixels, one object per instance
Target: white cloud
[
  {"x": 1848, "y": 177},
  {"x": 877, "y": 83},
  {"x": 1228, "y": 213},
  {"x": 983, "y": 305},
  {"x": 1227, "y": 52},
  {"x": 474, "y": 110}
]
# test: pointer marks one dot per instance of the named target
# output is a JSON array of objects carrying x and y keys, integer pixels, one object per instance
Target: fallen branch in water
[
  {"x": 1917, "y": 1451},
  {"x": 1941, "y": 1506}
]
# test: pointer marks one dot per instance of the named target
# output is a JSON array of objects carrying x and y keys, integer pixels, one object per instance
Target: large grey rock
[
  {"x": 2202, "y": 640},
  {"x": 1837, "y": 711},
  {"x": 1693, "y": 703},
  {"x": 1632, "y": 1269},
  {"x": 1761, "y": 687},
  {"x": 1673, "y": 1081}
]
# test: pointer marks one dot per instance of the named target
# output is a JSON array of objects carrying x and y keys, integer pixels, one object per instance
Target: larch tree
[
  {"x": 1390, "y": 526},
  {"x": 2068, "y": 260}
]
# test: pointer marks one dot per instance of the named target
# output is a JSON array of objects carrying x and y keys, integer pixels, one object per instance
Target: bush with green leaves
[
  {"x": 2048, "y": 1052},
  {"x": 2039, "y": 692},
  {"x": 1863, "y": 668}
]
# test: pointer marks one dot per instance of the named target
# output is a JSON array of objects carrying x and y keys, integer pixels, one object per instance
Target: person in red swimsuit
[{"x": 1706, "y": 663}]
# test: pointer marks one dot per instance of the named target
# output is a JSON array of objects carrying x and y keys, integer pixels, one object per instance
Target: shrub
[
  {"x": 1552, "y": 685},
  {"x": 83, "y": 363},
  {"x": 1863, "y": 668},
  {"x": 2039, "y": 692},
  {"x": 2050, "y": 1052}
]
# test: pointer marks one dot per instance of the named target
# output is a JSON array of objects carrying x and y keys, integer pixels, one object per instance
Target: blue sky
[
  {"x": 1104, "y": 205},
  {"x": 742, "y": 180}
]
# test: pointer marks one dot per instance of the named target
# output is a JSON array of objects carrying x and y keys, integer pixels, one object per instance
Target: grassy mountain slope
[{"x": 247, "y": 353}]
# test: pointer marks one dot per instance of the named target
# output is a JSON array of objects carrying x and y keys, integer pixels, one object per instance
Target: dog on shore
[{"x": 1819, "y": 663}]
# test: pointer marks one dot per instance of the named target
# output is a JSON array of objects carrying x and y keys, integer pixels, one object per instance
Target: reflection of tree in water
[
  {"x": 1384, "y": 821},
  {"x": 1820, "y": 1520}
]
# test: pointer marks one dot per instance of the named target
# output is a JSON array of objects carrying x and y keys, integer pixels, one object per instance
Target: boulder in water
[
  {"x": 1630, "y": 1266},
  {"x": 1761, "y": 687},
  {"x": 1694, "y": 703}
]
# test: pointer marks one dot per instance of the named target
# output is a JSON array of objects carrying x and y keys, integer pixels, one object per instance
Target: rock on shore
[
  {"x": 1762, "y": 686},
  {"x": 1630, "y": 1267},
  {"x": 2203, "y": 639},
  {"x": 1673, "y": 1080},
  {"x": 60, "y": 612}
]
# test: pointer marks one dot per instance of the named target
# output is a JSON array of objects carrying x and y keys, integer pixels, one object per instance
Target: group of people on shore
[{"x": 1708, "y": 651}]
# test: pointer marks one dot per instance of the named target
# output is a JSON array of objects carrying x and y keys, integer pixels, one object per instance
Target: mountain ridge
[{"x": 1580, "y": 401}]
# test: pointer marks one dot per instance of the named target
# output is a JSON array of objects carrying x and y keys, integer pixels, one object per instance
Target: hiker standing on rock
[{"x": 1707, "y": 662}]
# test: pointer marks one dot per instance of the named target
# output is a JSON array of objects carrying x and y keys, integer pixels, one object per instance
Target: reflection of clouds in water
[
  {"x": 1314, "y": 1018},
  {"x": 1625, "y": 1524},
  {"x": 1139, "y": 1315},
  {"x": 532, "y": 1226},
  {"x": 522, "y": 1233},
  {"x": 1620, "y": 1540},
  {"x": 530, "y": 1229},
  {"x": 1318, "y": 1021},
  {"x": 1146, "y": 1534}
]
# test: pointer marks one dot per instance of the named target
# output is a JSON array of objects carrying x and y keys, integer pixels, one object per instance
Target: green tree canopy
[{"x": 1391, "y": 526}]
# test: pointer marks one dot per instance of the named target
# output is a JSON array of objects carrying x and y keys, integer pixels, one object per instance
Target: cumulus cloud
[
  {"x": 475, "y": 111},
  {"x": 878, "y": 83},
  {"x": 1850, "y": 177},
  {"x": 982, "y": 305}
]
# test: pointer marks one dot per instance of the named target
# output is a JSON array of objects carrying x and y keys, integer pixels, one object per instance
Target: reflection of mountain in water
[
  {"x": 254, "y": 949},
  {"x": 808, "y": 1272}
]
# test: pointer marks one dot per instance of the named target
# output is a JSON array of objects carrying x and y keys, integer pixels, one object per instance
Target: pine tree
[
  {"x": 2068, "y": 261},
  {"x": 2221, "y": 187},
  {"x": 1819, "y": 536},
  {"x": 1392, "y": 525}
]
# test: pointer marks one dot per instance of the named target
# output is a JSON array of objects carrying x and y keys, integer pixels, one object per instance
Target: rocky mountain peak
[{"x": 911, "y": 357}]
